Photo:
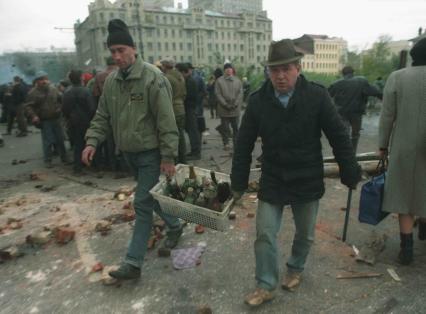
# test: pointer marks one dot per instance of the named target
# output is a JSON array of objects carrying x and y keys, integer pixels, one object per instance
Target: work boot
[
  {"x": 258, "y": 297},
  {"x": 126, "y": 272},
  {"x": 405, "y": 256},
  {"x": 172, "y": 237},
  {"x": 422, "y": 230},
  {"x": 291, "y": 281}
]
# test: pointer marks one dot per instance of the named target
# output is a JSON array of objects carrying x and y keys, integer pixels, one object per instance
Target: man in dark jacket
[
  {"x": 288, "y": 113},
  {"x": 350, "y": 95},
  {"x": 19, "y": 93},
  {"x": 78, "y": 108},
  {"x": 191, "y": 125}
]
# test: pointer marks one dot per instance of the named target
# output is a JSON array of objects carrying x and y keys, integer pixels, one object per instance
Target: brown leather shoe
[
  {"x": 258, "y": 297},
  {"x": 291, "y": 281}
]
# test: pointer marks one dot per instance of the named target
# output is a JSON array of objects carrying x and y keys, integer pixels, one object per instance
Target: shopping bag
[{"x": 371, "y": 200}]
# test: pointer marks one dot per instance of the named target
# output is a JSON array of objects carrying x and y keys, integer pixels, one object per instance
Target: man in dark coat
[
  {"x": 19, "y": 93},
  {"x": 78, "y": 108},
  {"x": 350, "y": 95},
  {"x": 288, "y": 113}
]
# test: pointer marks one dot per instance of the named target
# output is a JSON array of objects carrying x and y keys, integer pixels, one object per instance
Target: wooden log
[
  {"x": 354, "y": 275},
  {"x": 331, "y": 170},
  {"x": 359, "y": 157}
]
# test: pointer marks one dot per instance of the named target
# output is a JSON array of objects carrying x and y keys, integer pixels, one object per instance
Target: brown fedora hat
[{"x": 282, "y": 52}]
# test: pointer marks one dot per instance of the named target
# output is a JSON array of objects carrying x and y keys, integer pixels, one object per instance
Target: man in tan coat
[
  {"x": 229, "y": 94},
  {"x": 402, "y": 134}
]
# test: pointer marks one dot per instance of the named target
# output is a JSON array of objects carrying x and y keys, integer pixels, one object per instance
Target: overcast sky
[{"x": 30, "y": 24}]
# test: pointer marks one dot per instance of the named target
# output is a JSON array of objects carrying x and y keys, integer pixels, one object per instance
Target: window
[
  {"x": 181, "y": 46},
  {"x": 165, "y": 19},
  {"x": 159, "y": 46},
  {"x": 166, "y": 46},
  {"x": 189, "y": 46},
  {"x": 173, "y": 33},
  {"x": 149, "y": 46},
  {"x": 174, "y": 46},
  {"x": 101, "y": 16},
  {"x": 241, "y": 47},
  {"x": 166, "y": 33},
  {"x": 190, "y": 59},
  {"x": 111, "y": 15}
]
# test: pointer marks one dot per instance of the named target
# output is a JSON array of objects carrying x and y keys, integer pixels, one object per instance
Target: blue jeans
[
  {"x": 146, "y": 166},
  {"x": 268, "y": 223},
  {"x": 52, "y": 134}
]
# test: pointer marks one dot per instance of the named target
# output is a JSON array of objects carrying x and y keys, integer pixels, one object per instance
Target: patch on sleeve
[{"x": 136, "y": 97}]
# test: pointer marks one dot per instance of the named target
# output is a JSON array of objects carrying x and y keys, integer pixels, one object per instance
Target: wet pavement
[{"x": 56, "y": 278}]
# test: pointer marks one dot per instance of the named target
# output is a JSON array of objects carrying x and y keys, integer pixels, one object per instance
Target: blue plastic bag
[{"x": 371, "y": 201}]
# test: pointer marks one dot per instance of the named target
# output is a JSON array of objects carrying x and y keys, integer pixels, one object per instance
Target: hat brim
[{"x": 284, "y": 61}]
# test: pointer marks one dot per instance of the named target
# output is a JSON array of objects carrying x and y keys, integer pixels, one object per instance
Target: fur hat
[{"x": 118, "y": 34}]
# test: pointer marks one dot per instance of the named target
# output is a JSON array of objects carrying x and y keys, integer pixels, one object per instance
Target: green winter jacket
[
  {"x": 139, "y": 110},
  {"x": 177, "y": 82}
]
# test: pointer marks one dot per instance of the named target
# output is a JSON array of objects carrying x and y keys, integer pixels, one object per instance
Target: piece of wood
[
  {"x": 359, "y": 157},
  {"x": 393, "y": 274},
  {"x": 355, "y": 275}
]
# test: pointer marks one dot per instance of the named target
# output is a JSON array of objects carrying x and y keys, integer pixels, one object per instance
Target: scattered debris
[
  {"x": 199, "y": 229},
  {"x": 187, "y": 257},
  {"x": 39, "y": 238},
  {"x": 15, "y": 225},
  {"x": 204, "y": 309},
  {"x": 106, "y": 278},
  {"x": 90, "y": 183},
  {"x": 387, "y": 307},
  {"x": 164, "y": 252},
  {"x": 10, "y": 253},
  {"x": 250, "y": 215},
  {"x": 47, "y": 188},
  {"x": 14, "y": 162},
  {"x": 232, "y": 215},
  {"x": 97, "y": 267},
  {"x": 103, "y": 226},
  {"x": 393, "y": 274},
  {"x": 371, "y": 248},
  {"x": 64, "y": 235},
  {"x": 38, "y": 176},
  {"x": 354, "y": 275}
]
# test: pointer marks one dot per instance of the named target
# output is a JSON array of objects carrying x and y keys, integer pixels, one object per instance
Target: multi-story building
[
  {"x": 323, "y": 54},
  {"x": 160, "y": 3},
  {"x": 194, "y": 35},
  {"x": 231, "y": 6}
]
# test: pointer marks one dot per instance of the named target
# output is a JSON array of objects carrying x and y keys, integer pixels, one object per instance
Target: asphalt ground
[{"x": 54, "y": 278}]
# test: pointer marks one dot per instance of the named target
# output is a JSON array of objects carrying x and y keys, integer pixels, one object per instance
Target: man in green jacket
[{"x": 137, "y": 104}]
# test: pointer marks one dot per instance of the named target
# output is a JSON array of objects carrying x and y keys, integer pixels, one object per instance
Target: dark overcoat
[{"x": 292, "y": 167}]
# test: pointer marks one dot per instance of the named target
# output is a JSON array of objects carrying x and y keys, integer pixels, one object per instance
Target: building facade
[
  {"x": 323, "y": 54},
  {"x": 194, "y": 35},
  {"x": 160, "y": 3},
  {"x": 231, "y": 6}
]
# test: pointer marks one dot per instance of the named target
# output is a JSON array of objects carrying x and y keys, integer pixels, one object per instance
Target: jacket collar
[
  {"x": 267, "y": 91},
  {"x": 135, "y": 70}
]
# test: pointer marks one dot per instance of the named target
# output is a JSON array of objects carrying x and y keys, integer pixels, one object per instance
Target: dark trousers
[
  {"x": 225, "y": 122},
  {"x": 18, "y": 114},
  {"x": 191, "y": 127},
  {"x": 77, "y": 137},
  {"x": 52, "y": 134},
  {"x": 353, "y": 124},
  {"x": 180, "y": 122}
]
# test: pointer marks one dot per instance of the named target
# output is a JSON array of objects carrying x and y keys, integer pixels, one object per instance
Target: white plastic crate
[{"x": 190, "y": 212}]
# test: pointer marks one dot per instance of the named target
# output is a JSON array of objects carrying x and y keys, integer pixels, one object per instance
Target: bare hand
[
  {"x": 35, "y": 120},
  {"x": 383, "y": 153},
  {"x": 168, "y": 168},
  {"x": 87, "y": 155}
]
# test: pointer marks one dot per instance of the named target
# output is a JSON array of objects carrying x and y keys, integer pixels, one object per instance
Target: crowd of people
[{"x": 143, "y": 113}]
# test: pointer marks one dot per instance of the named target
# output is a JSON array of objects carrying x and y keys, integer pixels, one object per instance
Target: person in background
[
  {"x": 229, "y": 94},
  {"x": 191, "y": 125},
  {"x": 350, "y": 95},
  {"x": 402, "y": 137},
  {"x": 19, "y": 93},
  {"x": 201, "y": 95},
  {"x": 78, "y": 108},
  {"x": 43, "y": 107},
  {"x": 177, "y": 82},
  {"x": 137, "y": 104},
  {"x": 211, "y": 97},
  {"x": 289, "y": 113}
]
